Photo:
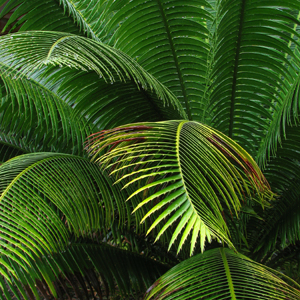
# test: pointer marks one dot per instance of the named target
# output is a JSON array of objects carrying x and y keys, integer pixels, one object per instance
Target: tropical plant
[{"x": 132, "y": 138}]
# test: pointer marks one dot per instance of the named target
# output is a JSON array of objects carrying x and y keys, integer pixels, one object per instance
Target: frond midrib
[
  {"x": 176, "y": 62},
  {"x": 236, "y": 65}
]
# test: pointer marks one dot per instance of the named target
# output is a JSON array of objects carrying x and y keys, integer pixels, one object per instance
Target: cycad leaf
[
  {"x": 169, "y": 40},
  {"x": 279, "y": 226},
  {"x": 40, "y": 216},
  {"x": 9, "y": 149},
  {"x": 37, "y": 49},
  {"x": 39, "y": 15},
  {"x": 284, "y": 118},
  {"x": 30, "y": 104},
  {"x": 79, "y": 267},
  {"x": 251, "y": 72},
  {"x": 221, "y": 274},
  {"x": 192, "y": 162},
  {"x": 85, "y": 18}
]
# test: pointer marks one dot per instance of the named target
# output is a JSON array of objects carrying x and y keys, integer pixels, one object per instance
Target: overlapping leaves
[
  {"x": 188, "y": 172},
  {"x": 221, "y": 274},
  {"x": 54, "y": 210},
  {"x": 62, "y": 112},
  {"x": 251, "y": 73}
]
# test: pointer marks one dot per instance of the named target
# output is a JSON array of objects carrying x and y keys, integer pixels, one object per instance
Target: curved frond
[
  {"x": 39, "y": 15},
  {"x": 280, "y": 224},
  {"x": 83, "y": 268},
  {"x": 48, "y": 203},
  {"x": 169, "y": 40},
  {"x": 9, "y": 148},
  {"x": 39, "y": 216},
  {"x": 86, "y": 18},
  {"x": 281, "y": 127},
  {"x": 251, "y": 73},
  {"x": 221, "y": 274},
  {"x": 37, "y": 49},
  {"x": 187, "y": 172},
  {"x": 34, "y": 112},
  {"x": 103, "y": 105},
  {"x": 283, "y": 168}
]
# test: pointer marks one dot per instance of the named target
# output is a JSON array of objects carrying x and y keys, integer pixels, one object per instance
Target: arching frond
[
  {"x": 39, "y": 15},
  {"x": 221, "y": 274},
  {"x": 83, "y": 269},
  {"x": 42, "y": 224},
  {"x": 103, "y": 105},
  {"x": 251, "y": 73},
  {"x": 86, "y": 18},
  {"x": 281, "y": 127},
  {"x": 37, "y": 49},
  {"x": 77, "y": 188},
  {"x": 169, "y": 40},
  {"x": 9, "y": 150},
  {"x": 186, "y": 170},
  {"x": 35, "y": 112}
]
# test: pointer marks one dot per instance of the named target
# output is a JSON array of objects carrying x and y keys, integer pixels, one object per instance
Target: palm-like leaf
[
  {"x": 39, "y": 219},
  {"x": 251, "y": 75},
  {"x": 82, "y": 266},
  {"x": 221, "y": 274},
  {"x": 39, "y": 15},
  {"x": 49, "y": 48},
  {"x": 8, "y": 149},
  {"x": 195, "y": 167},
  {"x": 284, "y": 118},
  {"x": 231, "y": 64},
  {"x": 34, "y": 105},
  {"x": 52, "y": 48},
  {"x": 280, "y": 224},
  {"x": 163, "y": 36},
  {"x": 64, "y": 109},
  {"x": 39, "y": 230}
]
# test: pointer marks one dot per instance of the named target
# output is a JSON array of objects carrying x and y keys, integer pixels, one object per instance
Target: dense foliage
[{"x": 150, "y": 147}]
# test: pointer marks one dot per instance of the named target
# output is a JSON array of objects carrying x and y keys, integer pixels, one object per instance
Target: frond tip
[
  {"x": 221, "y": 274},
  {"x": 188, "y": 172}
]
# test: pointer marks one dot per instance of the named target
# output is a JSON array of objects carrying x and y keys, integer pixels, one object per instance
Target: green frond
[
  {"x": 281, "y": 169},
  {"x": 37, "y": 49},
  {"x": 39, "y": 15},
  {"x": 250, "y": 73},
  {"x": 185, "y": 171},
  {"x": 221, "y": 274},
  {"x": 41, "y": 216},
  {"x": 279, "y": 225},
  {"x": 30, "y": 104},
  {"x": 284, "y": 118},
  {"x": 85, "y": 18},
  {"x": 10, "y": 148},
  {"x": 83, "y": 268},
  {"x": 169, "y": 40},
  {"x": 103, "y": 105}
]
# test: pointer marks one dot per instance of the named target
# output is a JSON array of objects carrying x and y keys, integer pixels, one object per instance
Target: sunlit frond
[{"x": 187, "y": 170}]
